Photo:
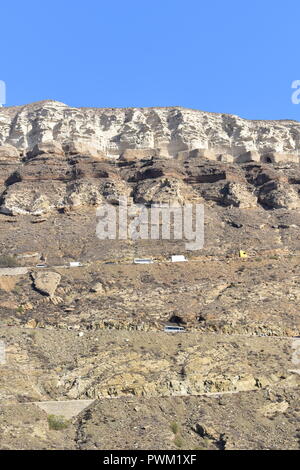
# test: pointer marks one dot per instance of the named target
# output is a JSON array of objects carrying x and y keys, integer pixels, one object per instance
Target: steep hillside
[{"x": 94, "y": 330}]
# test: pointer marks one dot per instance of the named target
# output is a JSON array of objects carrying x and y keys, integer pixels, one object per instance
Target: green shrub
[
  {"x": 57, "y": 423},
  {"x": 178, "y": 442},
  {"x": 175, "y": 427}
]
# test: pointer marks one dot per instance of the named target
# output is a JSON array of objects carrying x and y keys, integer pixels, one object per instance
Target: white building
[{"x": 178, "y": 258}]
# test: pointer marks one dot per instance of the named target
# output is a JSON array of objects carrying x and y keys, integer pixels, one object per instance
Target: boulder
[
  {"x": 31, "y": 323},
  {"x": 46, "y": 282},
  {"x": 98, "y": 288},
  {"x": 205, "y": 431}
]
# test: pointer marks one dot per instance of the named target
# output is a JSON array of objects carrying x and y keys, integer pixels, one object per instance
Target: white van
[
  {"x": 173, "y": 329},
  {"x": 142, "y": 261}
]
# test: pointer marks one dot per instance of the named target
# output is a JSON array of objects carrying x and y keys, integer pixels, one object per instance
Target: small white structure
[
  {"x": 178, "y": 258},
  {"x": 75, "y": 264},
  {"x": 143, "y": 260},
  {"x": 66, "y": 408}
]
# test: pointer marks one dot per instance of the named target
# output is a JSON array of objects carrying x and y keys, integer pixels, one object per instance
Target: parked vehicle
[
  {"x": 142, "y": 261},
  {"x": 174, "y": 329}
]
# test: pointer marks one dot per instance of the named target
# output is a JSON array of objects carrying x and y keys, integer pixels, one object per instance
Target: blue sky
[{"x": 231, "y": 56}]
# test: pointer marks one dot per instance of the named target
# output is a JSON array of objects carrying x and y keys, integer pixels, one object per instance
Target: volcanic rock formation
[{"x": 49, "y": 126}]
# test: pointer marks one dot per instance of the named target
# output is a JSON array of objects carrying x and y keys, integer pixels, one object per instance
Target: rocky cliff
[{"x": 161, "y": 131}]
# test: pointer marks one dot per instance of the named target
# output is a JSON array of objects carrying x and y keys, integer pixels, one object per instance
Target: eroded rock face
[
  {"x": 81, "y": 193},
  {"x": 238, "y": 195},
  {"x": 163, "y": 190},
  {"x": 47, "y": 148},
  {"x": 165, "y": 130},
  {"x": 42, "y": 198},
  {"x": 138, "y": 154},
  {"x": 84, "y": 148},
  {"x": 56, "y": 158},
  {"x": 279, "y": 196},
  {"x": 46, "y": 282},
  {"x": 32, "y": 199},
  {"x": 46, "y": 184},
  {"x": 21, "y": 200}
]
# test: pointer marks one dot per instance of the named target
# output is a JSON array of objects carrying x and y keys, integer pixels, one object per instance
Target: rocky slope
[
  {"x": 96, "y": 331},
  {"x": 151, "y": 391},
  {"x": 258, "y": 296},
  {"x": 97, "y": 365}
]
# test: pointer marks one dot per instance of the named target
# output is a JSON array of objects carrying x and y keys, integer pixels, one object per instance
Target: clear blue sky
[{"x": 230, "y": 56}]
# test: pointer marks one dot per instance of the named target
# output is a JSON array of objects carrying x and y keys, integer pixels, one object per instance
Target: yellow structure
[{"x": 243, "y": 254}]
